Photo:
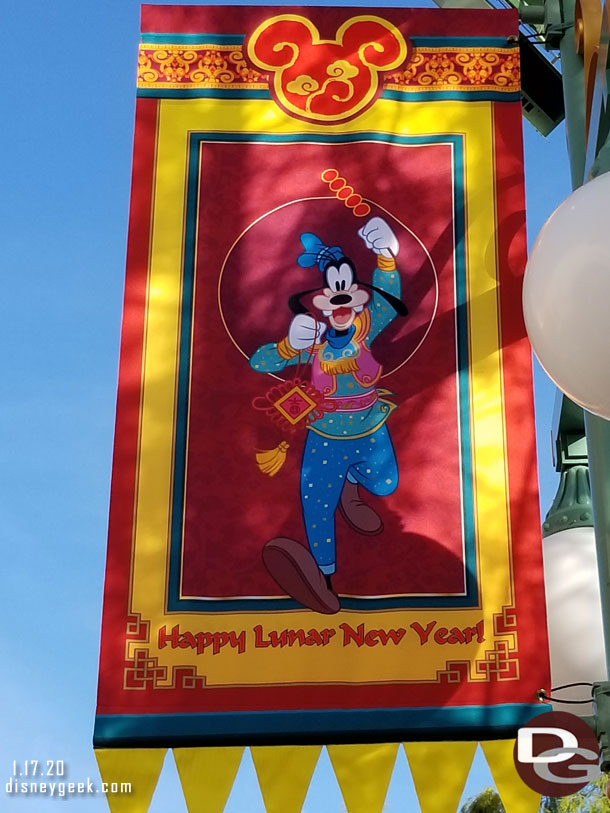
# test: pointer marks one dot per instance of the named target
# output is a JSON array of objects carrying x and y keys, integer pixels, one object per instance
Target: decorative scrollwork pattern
[
  {"x": 197, "y": 65},
  {"x": 463, "y": 68},
  {"x": 427, "y": 69}
]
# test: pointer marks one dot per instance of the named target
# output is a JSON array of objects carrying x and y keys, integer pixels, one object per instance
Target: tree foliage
[
  {"x": 591, "y": 799},
  {"x": 487, "y": 801},
  {"x": 550, "y": 805}
]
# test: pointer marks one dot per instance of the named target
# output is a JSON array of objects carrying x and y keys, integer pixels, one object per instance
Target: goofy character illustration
[{"x": 349, "y": 447}]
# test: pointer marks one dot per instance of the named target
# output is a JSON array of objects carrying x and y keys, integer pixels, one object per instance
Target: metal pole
[
  {"x": 598, "y": 443},
  {"x": 597, "y": 429},
  {"x": 572, "y": 72}
]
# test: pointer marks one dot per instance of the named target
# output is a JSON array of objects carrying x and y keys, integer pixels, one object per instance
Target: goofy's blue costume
[{"x": 349, "y": 446}]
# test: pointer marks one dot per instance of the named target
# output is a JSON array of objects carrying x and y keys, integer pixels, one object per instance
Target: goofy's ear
[
  {"x": 398, "y": 305},
  {"x": 295, "y": 304}
]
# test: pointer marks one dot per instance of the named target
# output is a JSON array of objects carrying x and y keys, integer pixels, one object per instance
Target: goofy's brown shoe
[
  {"x": 358, "y": 515},
  {"x": 292, "y": 566}
]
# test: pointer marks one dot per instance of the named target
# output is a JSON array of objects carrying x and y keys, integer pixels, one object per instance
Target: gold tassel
[
  {"x": 339, "y": 366},
  {"x": 270, "y": 461}
]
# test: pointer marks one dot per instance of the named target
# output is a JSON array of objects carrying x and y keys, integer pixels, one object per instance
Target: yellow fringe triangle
[
  {"x": 207, "y": 776},
  {"x": 514, "y": 793},
  {"x": 270, "y": 461},
  {"x": 138, "y": 768},
  {"x": 363, "y": 773},
  {"x": 284, "y": 773},
  {"x": 439, "y": 771}
]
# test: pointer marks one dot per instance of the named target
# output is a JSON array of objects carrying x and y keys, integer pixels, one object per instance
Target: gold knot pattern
[
  {"x": 222, "y": 66},
  {"x": 200, "y": 65},
  {"x": 463, "y": 68}
]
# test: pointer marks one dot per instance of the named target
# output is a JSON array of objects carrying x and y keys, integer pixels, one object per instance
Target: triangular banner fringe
[
  {"x": 284, "y": 774},
  {"x": 514, "y": 793},
  {"x": 139, "y": 767},
  {"x": 207, "y": 776},
  {"x": 439, "y": 771},
  {"x": 363, "y": 773}
]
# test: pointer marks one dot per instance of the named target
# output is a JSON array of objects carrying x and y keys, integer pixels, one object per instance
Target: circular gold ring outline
[{"x": 329, "y": 197}]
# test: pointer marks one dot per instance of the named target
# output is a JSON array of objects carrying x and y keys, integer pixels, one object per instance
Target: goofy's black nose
[{"x": 340, "y": 299}]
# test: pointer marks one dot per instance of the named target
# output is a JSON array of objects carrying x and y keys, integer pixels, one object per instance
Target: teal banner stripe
[
  {"x": 237, "y": 39},
  {"x": 462, "y": 42},
  {"x": 396, "y": 95},
  {"x": 463, "y": 355},
  {"x": 327, "y": 727},
  {"x": 192, "y": 39},
  {"x": 452, "y": 96}
]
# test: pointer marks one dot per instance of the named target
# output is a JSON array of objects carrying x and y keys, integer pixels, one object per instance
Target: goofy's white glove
[
  {"x": 379, "y": 237},
  {"x": 304, "y": 331}
]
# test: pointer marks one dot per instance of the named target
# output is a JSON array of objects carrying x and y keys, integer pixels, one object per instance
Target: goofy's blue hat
[{"x": 315, "y": 251}]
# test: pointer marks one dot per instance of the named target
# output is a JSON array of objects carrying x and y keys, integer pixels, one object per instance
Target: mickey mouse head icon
[{"x": 326, "y": 80}]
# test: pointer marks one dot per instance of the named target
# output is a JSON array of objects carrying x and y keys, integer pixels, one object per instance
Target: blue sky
[{"x": 68, "y": 92}]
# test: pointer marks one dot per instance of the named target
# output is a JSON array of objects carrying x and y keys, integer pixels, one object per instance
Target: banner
[{"x": 324, "y": 524}]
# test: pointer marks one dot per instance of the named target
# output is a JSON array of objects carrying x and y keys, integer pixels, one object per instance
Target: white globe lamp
[
  {"x": 566, "y": 296},
  {"x": 574, "y": 615}
]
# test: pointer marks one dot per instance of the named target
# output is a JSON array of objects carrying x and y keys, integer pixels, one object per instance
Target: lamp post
[
  {"x": 563, "y": 292},
  {"x": 574, "y": 614}
]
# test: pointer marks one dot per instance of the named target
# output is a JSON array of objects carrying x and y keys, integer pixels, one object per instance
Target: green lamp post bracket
[{"x": 571, "y": 507}]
